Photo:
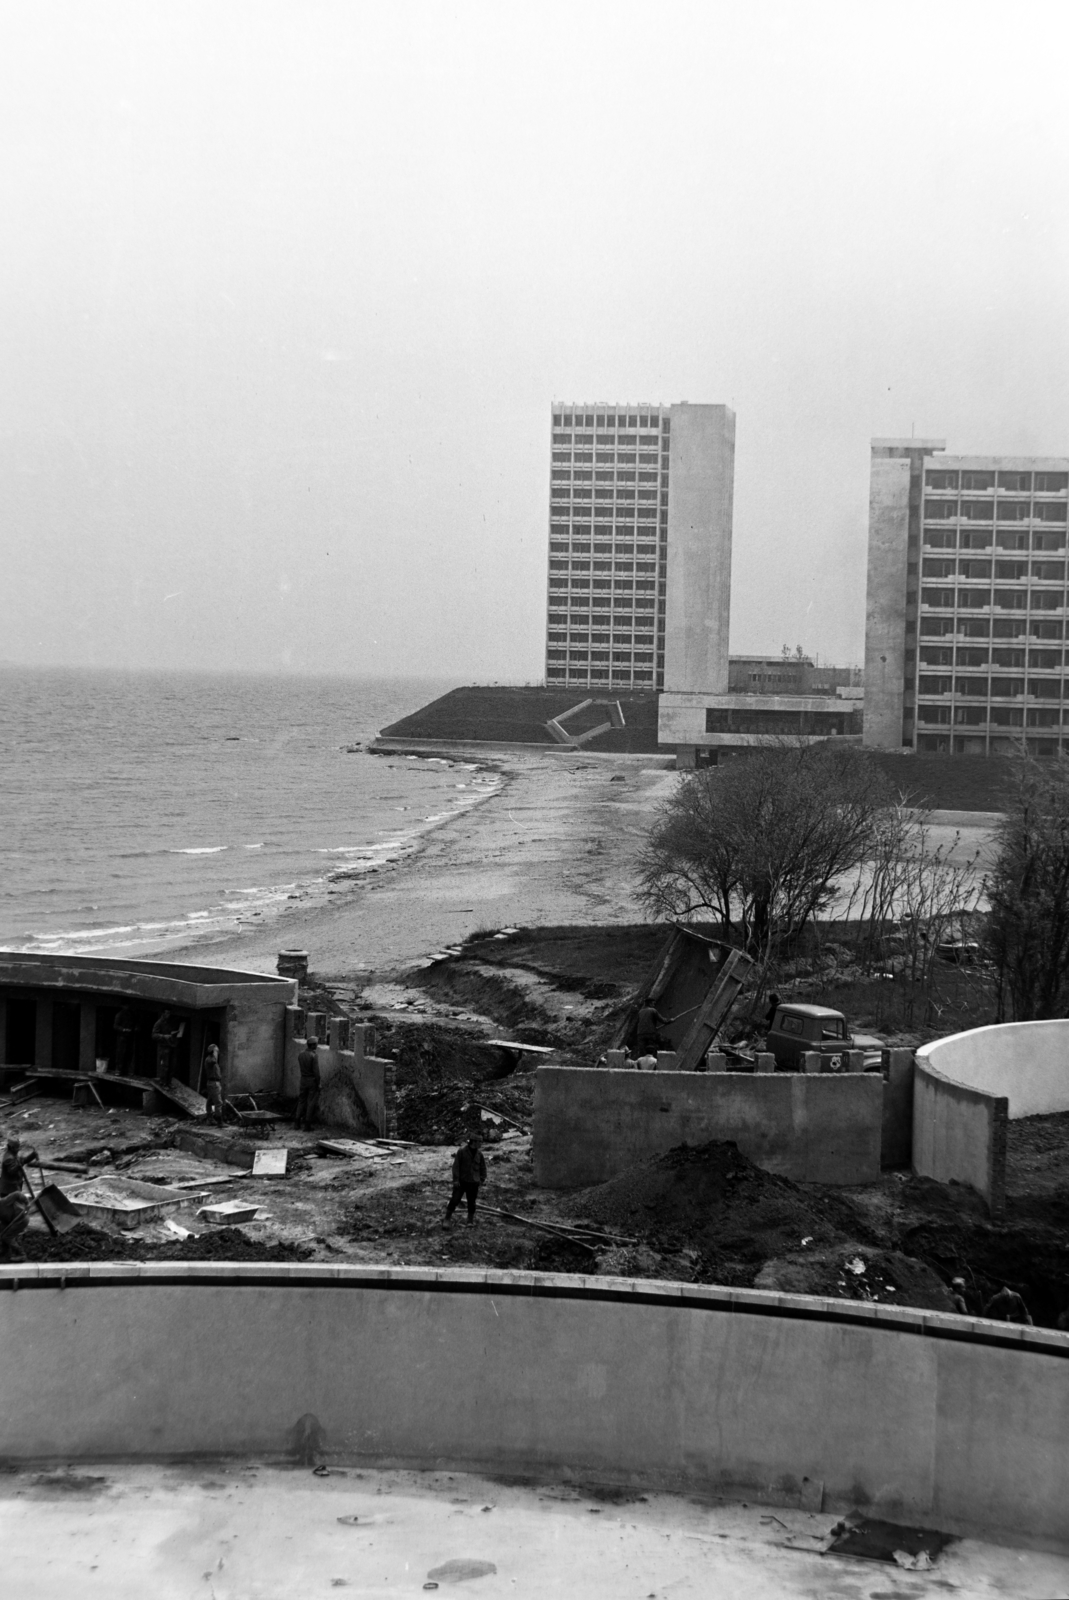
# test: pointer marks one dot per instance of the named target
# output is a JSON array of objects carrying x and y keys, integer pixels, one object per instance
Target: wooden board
[{"x": 531, "y": 1049}]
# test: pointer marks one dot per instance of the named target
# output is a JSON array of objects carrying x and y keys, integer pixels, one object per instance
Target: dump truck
[{"x": 798, "y": 1028}]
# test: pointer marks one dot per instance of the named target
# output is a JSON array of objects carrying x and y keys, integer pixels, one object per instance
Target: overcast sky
[{"x": 287, "y": 290}]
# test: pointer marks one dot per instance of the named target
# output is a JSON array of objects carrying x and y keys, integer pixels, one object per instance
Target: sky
[{"x": 288, "y": 290}]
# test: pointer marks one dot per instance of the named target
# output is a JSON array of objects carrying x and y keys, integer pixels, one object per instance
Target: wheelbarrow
[{"x": 58, "y": 1213}]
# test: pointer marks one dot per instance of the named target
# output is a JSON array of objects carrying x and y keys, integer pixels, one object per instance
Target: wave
[{"x": 200, "y": 850}]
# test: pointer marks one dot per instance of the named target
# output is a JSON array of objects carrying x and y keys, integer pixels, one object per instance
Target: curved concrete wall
[
  {"x": 935, "y": 1419},
  {"x": 966, "y": 1088},
  {"x": 1026, "y": 1062}
]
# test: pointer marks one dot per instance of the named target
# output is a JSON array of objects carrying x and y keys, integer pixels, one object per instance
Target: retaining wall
[
  {"x": 921, "y": 1417},
  {"x": 968, "y": 1086},
  {"x": 356, "y": 1086},
  {"x": 592, "y": 1123}
]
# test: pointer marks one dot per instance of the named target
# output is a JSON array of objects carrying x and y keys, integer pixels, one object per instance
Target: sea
[{"x": 147, "y": 810}]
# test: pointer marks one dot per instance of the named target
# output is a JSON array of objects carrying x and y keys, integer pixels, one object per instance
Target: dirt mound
[
  {"x": 711, "y": 1199},
  {"x": 85, "y": 1243},
  {"x": 883, "y": 1276},
  {"x": 1034, "y": 1261},
  {"x": 446, "y": 1113}
]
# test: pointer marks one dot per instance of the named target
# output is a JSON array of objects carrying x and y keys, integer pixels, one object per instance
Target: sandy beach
[{"x": 556, "y": 844}]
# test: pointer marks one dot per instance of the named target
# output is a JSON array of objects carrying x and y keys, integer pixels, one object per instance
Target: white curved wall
[
  {"x": 922, "y": 1417},
  {"x": 1027, "y": 1062}
]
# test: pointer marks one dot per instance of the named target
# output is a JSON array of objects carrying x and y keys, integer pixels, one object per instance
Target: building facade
[
  {"x": 640, "y": 546},
  {"x": 965, "y": 649}
]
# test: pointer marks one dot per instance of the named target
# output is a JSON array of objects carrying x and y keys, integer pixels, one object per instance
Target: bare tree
[
  {"x": 761, "y": 842},
  {"x": 1028, "y": 929}
]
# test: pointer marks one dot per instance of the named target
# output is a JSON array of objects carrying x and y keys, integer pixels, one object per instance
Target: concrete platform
[{"x": 254, "y": 1532}]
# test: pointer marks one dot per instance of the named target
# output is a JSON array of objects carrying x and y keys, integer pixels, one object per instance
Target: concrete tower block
[{"x": 701, "y": 488}]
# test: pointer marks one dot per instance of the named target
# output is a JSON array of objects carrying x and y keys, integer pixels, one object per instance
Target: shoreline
[{"x": 554, "y": 843}]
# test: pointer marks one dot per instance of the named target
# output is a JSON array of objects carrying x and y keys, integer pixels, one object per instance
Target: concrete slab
[{"x": 235, "y": 1530}]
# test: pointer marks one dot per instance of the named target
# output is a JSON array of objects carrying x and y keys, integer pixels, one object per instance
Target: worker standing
[
  {"x": 166, "y": 1034},
  {"x": 213, "y": 1084},
  {"x": 1007, "y": 1306},
  {"x": 308, "y": 1097},
  {"x": 648, "y": 1038},
  {"x": 124, "y": 1028},
  {"x": 469, "y": 1171}
]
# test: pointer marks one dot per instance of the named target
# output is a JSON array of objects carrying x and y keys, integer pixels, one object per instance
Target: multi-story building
[
  {"x": 965, "y": 648},
  {"x": 640, "y": 546}
]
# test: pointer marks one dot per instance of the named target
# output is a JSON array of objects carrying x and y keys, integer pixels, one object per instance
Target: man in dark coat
[
  {"x": 469, "y": 1171},
  {"x": 1007, "y": 1306},
  {"x": 125, "y": 1026},
  {"x": 213, "y": 1084},
  {"x": 308, "y": 1097},
  {"x": 648, "y": 1037}
]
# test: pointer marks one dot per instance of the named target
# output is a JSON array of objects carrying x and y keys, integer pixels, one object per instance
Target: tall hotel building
[
  {"x": 966, "y": 644},
  {"x": 640, "y": 546}
]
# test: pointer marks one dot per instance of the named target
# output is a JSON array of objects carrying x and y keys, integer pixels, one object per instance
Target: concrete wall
[
  {"x": 969, "y": 1085},
  {"x": 592, "y": 1123},
  {"x": 1027, "y": 1062},
  {"x": 701, "y": 478},
  {"x": 921, "y": 1417},
  {"x": 357, "y": 1087},
  {"x": 959, "y": 1135}
]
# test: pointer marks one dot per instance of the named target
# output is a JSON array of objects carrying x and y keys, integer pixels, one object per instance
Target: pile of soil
[
  {"x": 85, "y": 1243},
  {"x": 884, "y": 1276},
  {"x": 431, "y": 1112},
  {"x": 710, "y": 1199}
]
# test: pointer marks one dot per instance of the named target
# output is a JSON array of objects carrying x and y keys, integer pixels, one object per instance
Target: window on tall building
[
  {"x": 971, "y": 657},
  {"x": 940, "y": 539},
  {"x": 1014, "y": 510},
  {"x": 935, "y": 567},
  {"x": 974, "y": 627},
  {"x": 933, "y": 627},
  {"x": 1044, "y": 628},
  {"x": 1045, "y": 688},
  {"x": 936, "y": 656},
  {"x": 1044, "y": 717},
  {"x": 937, "y": 479},
  {"x": 1007, "y": 658},
  {"x": 1011, "y": 541},
  {"x": 1008, "y": 627},
  {"x": 1049, "y": 571},
  {"x": 1011, "y": 569},
  {"x": 1011, "y": 599},
  {"x": 1054, "y": 540},
  {"x": 1007, "y": 688},
  {"x": 978, "y": 510},
  {"x": 932, "y": 714},
  {"x": 1017, "y": 482},
  {"x": 1007, "y": 716},
  {"x": 1050, "y": 511},
  {"x": 940, "y": 510},
  {"x": 977, "y": 480},
  {"x": 973, "y": 599},
  {"x": 929, "y": 683},
  {"x": 970, "y": 716},
  {"x": 938, "y": 597},
  {"x": 975, "y": 539},
  {"x": 974, "y": 568},
  {"x": 1045, "y": 660},
  {"x": 972, "y": 686},
  {"x": 1051, "y": 482}
]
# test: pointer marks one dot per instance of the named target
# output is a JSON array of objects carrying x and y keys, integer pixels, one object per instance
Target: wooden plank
[
  {"x": 181, "y": 1095},
  {"x": 530, "y": 1049}
]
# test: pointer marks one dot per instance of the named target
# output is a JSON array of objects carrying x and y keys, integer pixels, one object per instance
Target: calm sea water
[{"x": 141, "y": 809}]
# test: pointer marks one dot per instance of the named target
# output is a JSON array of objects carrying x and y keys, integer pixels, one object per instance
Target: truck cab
[{"x": 798, "y": 1028}]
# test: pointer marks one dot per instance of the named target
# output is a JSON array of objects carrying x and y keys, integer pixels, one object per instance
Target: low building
[
  {"x": 700, "y": 726},
  {"x": 58, "y": 1013}
]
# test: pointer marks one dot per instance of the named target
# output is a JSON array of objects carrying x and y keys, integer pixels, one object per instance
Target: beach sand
[{"x": 556, "y": 844}]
